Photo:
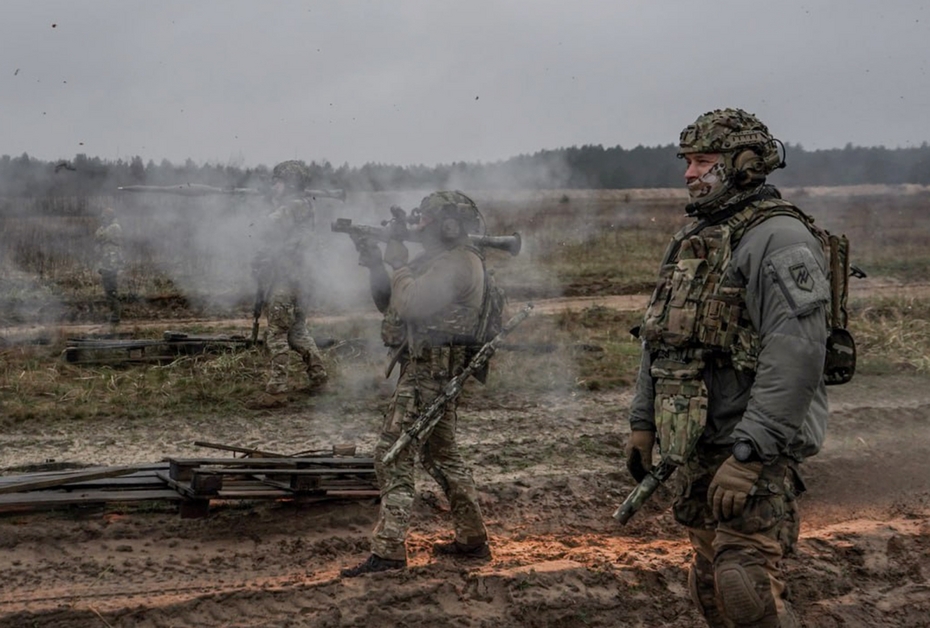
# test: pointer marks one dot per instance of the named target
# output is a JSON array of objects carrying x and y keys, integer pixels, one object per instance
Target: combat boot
[
  {"x": 463, "y": 550},
  {"x": 374, "y": 564},
  {"x": 317, "y": 375}
]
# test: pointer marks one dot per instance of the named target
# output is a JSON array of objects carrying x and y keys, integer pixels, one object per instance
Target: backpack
[{"x": 840, "y": 362}]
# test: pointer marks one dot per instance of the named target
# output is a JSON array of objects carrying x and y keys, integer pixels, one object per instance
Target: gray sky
[{"x": 430, "y": 81}]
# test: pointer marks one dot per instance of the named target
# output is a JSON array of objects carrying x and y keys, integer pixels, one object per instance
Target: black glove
[{"x": 639, "y": 453}]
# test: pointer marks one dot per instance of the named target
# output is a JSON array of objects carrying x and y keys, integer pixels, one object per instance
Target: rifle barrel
[
  {"x": 425, "y": 423},
  {"x": 643, "y": 491}
]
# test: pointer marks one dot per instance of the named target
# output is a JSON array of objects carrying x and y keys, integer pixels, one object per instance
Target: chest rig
[
  {"x": 455, "y": 324},
  {"x": 698, "y": 313}
]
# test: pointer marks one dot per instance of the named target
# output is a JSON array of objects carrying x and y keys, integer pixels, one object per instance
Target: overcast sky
[{"x": 430, "y": 81}]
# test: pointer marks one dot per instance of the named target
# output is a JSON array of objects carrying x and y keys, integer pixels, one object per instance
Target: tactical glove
[
  {"x": 731, "y": 487},
  {"x": 639, "y": 453},
  {"x": 396, "y": 254}
]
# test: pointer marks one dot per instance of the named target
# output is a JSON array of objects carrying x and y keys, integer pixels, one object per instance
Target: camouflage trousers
[
  {"x": 420, "y": 381},
  {"x": 110, "y": 291},
  {"x": 734, "y": 578},
  {"x": 287, "y": 330}
]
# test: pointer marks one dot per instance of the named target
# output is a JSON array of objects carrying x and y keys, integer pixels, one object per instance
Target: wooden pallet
[
  {"x": 194, "y": 482},
  {"x": 172, "y": 345}
]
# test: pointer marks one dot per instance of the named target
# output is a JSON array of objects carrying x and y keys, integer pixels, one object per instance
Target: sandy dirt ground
[{"x": 550, "y": 473}]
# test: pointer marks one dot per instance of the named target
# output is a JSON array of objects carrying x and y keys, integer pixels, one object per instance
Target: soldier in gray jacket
[{"x": 731, "y": 382}]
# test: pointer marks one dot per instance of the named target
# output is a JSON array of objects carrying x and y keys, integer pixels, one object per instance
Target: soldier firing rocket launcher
[{"x": 397, "y": 229}]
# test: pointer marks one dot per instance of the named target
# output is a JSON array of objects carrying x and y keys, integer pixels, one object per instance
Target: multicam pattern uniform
[
  {"x": 279, "y": 269},
  {"x": 108, "y": 241},
  {"x": 435, "y": 304},
  {"x": 726, "y": 292}
]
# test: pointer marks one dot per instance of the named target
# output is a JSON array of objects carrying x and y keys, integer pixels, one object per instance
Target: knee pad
[
  {"x": 702, "y": 589},
  {"x": 745, "y": 591}
]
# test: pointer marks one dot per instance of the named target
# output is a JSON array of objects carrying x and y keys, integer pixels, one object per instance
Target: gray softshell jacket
[{"x": 782, "y": 407}]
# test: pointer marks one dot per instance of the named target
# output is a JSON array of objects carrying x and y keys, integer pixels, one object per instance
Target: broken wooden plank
[
  {"x": 255, "y": 462},
  {"x": 51, "y": 499},
  {"x": 66, "y": 478},
  {"x": 255, "y": 453},
  {"x": 181, "y": 487},
  {"x": 141, "y": 469},
  {"x": 206, "y": 483},
  {"x": 279, "y": 471}
]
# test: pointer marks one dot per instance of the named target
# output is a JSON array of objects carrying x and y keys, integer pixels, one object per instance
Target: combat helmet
[
  {"x": 293, "y": 173},
  {"x": 750, "y": 153},
  {"x": 454, "y": 204}
]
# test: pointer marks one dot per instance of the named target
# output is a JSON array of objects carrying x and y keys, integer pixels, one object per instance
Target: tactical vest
[
  {"x": 456, "y": 324},
  {"x": 109, "y": 240},
  {"x": 695, "y": 313}
]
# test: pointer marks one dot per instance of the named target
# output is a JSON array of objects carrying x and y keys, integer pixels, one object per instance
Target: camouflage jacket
[
  {"x": 108, "y": 242},
  {"x": 280, "y": 265},
  {"x": 439, "y": 296}
]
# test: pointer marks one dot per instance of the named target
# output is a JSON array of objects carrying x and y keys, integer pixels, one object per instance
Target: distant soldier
[
  {"x": 280, "y": 271},
  {"x": 108, "y": 242},
  {"x": 433, "y": 307}
]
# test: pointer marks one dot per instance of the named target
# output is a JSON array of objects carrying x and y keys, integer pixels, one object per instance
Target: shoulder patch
[{"x": 801, "y": 279}]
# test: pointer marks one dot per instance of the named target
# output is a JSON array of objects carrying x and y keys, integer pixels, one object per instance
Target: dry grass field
[{"x": 545, "y": 436}]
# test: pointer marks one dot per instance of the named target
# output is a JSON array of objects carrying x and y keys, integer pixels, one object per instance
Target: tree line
[{"x": 584, "y": 167}]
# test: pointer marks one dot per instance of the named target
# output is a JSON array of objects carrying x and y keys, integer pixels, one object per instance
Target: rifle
[
  {"x": 197, "y": 189},
  {"x": 257, "y": 307},
  {"x": 396, "y": 228},
  {"x": 644, "y": 490},
  {"x": 681, "y": 448},
  {"x": 425, "y": 423}
]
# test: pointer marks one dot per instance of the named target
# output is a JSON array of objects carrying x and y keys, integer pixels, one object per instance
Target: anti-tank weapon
[
  {"x": 397, "y": 229},
  {"x": 198, "y": 189},
  {"x": 424, "y": 424}
]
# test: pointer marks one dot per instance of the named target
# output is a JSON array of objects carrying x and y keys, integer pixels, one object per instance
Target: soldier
[
  {"x": 734, "y": 340},
  {"x": 108, "y": 242},
  {"x": 432, "y": 309},
  {"x": 280, "y": 271}
]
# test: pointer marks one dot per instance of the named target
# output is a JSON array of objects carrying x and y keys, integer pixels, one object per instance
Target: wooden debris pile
[
  {"x": 173, "y": 345},
  {"x": 306, "y": 477}
]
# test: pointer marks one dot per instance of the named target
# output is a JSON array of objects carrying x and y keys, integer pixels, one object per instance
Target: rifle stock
[{"x": 425, "y": 423}]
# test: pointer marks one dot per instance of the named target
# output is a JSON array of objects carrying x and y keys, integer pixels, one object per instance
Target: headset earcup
[
  {"x": 450, "y": 229},
  {"x": 747, "y": 167}
]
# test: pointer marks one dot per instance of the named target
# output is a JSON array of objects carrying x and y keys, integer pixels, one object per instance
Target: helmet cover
[
  {"x": 730, "y": 131},
  {"x": 293, "y": 173},
  {"x": 454, "y": 204}
]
